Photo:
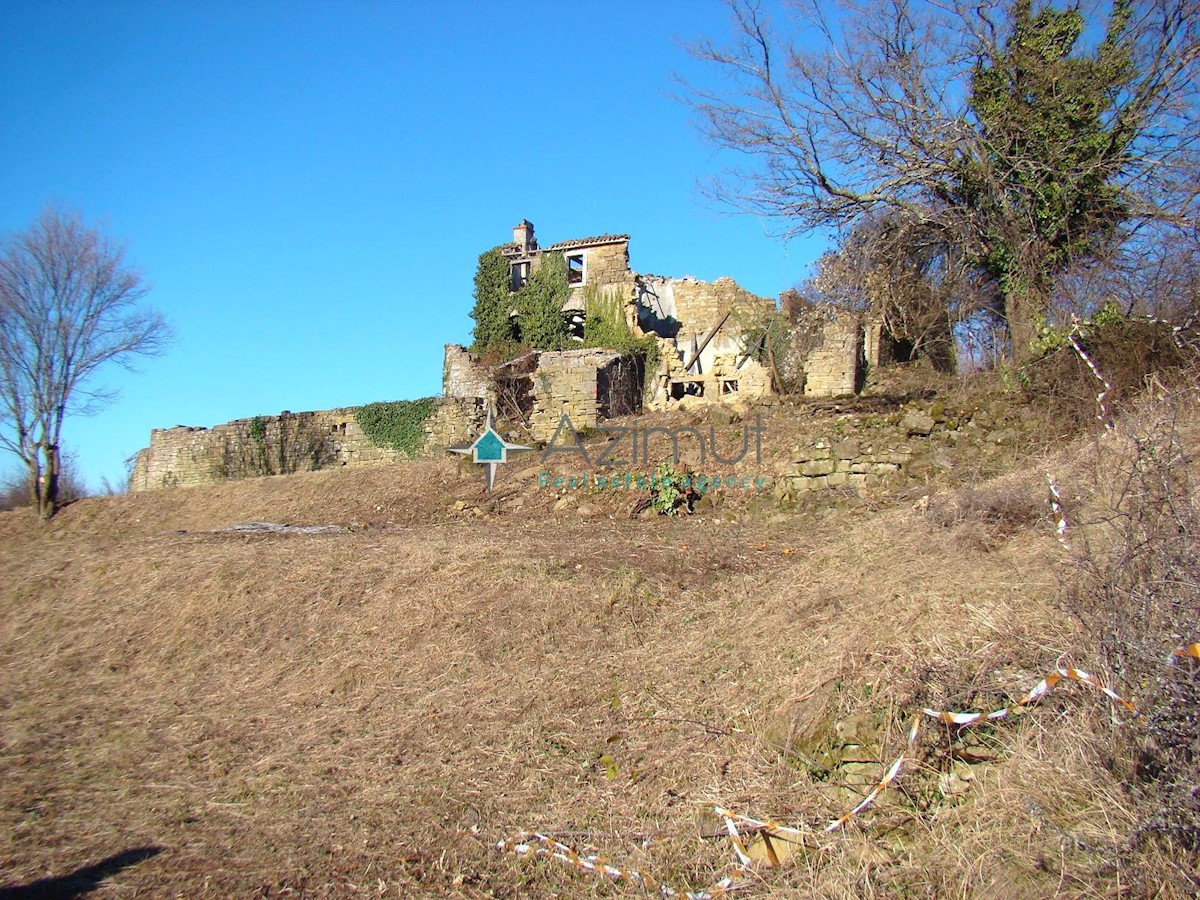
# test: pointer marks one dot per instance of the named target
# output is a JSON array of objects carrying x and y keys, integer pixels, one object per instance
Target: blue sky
[{"x": 307, "y": 186}]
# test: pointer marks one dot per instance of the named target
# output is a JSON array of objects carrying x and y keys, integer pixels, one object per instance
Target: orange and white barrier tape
[
  {"x": 1102, "y": 397},
  {"x": 537, "y": 844}
]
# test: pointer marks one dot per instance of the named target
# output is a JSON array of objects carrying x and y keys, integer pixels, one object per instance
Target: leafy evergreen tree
[
  {"x": 492, "y": 302},
  {"x": 1044, "y": 187},
  {"x": 540, "y": 304}
]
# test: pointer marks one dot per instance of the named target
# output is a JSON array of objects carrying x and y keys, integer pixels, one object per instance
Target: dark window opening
[
  {"x": 681, "y": 389},
  {"x": 520, "y": 275},
  {"x": 575, "y": 268},
  {"x": 729, "y": 387},
  {"x": 575, "y": 325}
]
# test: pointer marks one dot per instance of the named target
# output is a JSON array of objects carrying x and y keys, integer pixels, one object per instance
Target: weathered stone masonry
[
  {"x": 703, "y": 359},
  {"x": 287, "y": 443}
]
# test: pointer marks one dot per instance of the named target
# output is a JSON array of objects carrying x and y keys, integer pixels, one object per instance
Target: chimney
[{"x": 523, "y": 236}]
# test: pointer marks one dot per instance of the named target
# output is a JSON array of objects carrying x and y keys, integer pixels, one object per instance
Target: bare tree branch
[
  {"x": 1013, "y": 132},
  {"x": 69, "y": 305}
]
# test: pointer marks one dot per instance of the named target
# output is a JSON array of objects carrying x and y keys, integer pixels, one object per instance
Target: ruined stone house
[{"x": 704, "y": 352}]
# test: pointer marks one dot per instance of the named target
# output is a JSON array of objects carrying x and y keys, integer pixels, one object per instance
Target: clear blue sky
[{"x": 307, "y": 186}]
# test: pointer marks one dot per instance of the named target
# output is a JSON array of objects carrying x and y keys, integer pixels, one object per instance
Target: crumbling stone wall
[
  {"x": 607, "y": 264},
  {"x": 565, "y": 383},
  {"x": 462, "y": 376},
  {"x": 287, "y": 443},
  {"x": 844, "y": 464},
  {"x": 699, "y": 305},
  {"x": 832, "y": 368}
]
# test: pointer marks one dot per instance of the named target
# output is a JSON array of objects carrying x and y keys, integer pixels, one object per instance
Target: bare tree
[
  {"x": 1003, "y": 129},
  {"x": 904, "y": 275},
  {"x": 68, "y": 305}
]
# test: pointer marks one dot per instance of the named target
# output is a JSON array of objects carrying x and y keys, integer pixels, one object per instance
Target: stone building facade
[{"x": 702, "y": 333}]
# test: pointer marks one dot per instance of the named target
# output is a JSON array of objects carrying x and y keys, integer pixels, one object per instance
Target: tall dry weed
[{"x": 1134, "y": 588}]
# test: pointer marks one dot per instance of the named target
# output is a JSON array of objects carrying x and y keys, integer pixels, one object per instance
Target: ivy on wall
[
  {"x": 540, "y": 304},
  {"x": 538, "y": 321},
  {"x": 608, "y": 329},
  {"x": 492, "y": 302},
  {"x": 397, "y": 425}
]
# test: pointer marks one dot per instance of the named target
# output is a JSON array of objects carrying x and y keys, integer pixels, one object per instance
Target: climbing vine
[
  {"x": 538, "y": 321},
  {"x": 608, "y": 329},
  {"x": 258, "y": 436},
  {"x": 492, "y": 302},
  {"x": 397, "y": 425},
  {"x": 540, "y": 304}
]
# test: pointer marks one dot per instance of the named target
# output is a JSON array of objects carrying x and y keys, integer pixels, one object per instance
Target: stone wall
[
  {"x": 607, "y": 264},
  {"x": 844, "y": 464},
  {"x": 462, "y": 376},
  {"x": 832, "y": 367},
  {"x": 565, "y": 384},
  {"x": 606, "y": 269},
  {"x": 287, "y": 443}
]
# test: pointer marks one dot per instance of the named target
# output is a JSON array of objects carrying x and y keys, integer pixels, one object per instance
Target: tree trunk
[
  {"x": 46, "y": 488},
  {"x": 1026, "y": 304}
]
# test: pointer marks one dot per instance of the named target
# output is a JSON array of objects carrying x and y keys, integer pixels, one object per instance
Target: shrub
[
  {"x": 16, "y": 490},
  {"x": 1127, "y": 352},
  {"x": 1136, "y": 594}
]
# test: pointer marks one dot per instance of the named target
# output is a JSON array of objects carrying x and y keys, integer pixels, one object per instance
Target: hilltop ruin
[{"x": 706, "y": 354}]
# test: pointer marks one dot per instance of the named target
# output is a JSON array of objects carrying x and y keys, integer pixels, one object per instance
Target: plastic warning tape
[
  {"x": 1060, "y": 514},
  {"x": 537, "y": 844},
  {"x": 1102, "y": 397}
]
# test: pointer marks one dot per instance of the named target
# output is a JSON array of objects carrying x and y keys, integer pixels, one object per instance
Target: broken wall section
[
  {"x": 584, "y": 385},
  {"x": 700, "y": 326},
  {"x": 290, "y": 442},
  {"x": 835, "y": 365}
]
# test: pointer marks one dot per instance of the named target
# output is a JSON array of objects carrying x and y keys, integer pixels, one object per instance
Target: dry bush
[
  {"x": 1136, "y": 593},
  {"x": 15, "y": 490},
  {"x": 986, "y": 517},
  {"x": 1128, "y": 352}
]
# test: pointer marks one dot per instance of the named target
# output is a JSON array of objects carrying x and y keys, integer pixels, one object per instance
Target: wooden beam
[{"x": 707, "y": 338}]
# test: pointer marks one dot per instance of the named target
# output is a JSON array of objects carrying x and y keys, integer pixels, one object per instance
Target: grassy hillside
[{"x": 368, "y": 711}]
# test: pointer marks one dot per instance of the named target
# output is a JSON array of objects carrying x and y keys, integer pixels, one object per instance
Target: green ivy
[
  {"x": 540, "y": 304},
  {"x": 396, "y": 425},
  {"x": 492, "y": 301},
  {"x": 1051, "y": 338},
  {"x": 608, "y": 329},
  {"x": 258, "y": 435}
]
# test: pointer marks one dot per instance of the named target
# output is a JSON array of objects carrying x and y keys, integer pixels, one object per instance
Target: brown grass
[{"x": 369, "y": 712}]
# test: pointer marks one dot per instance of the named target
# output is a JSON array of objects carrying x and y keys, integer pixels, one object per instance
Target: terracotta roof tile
[{"x": 589, "y": 241}]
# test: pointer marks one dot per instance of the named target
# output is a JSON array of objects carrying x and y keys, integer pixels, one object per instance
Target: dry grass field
[{"x": 189, "y": 711}]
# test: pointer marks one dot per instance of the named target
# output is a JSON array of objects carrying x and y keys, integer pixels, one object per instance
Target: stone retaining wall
[
  {"x": 841, "y": 465},
  {"x": 287, "y": 443}
]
